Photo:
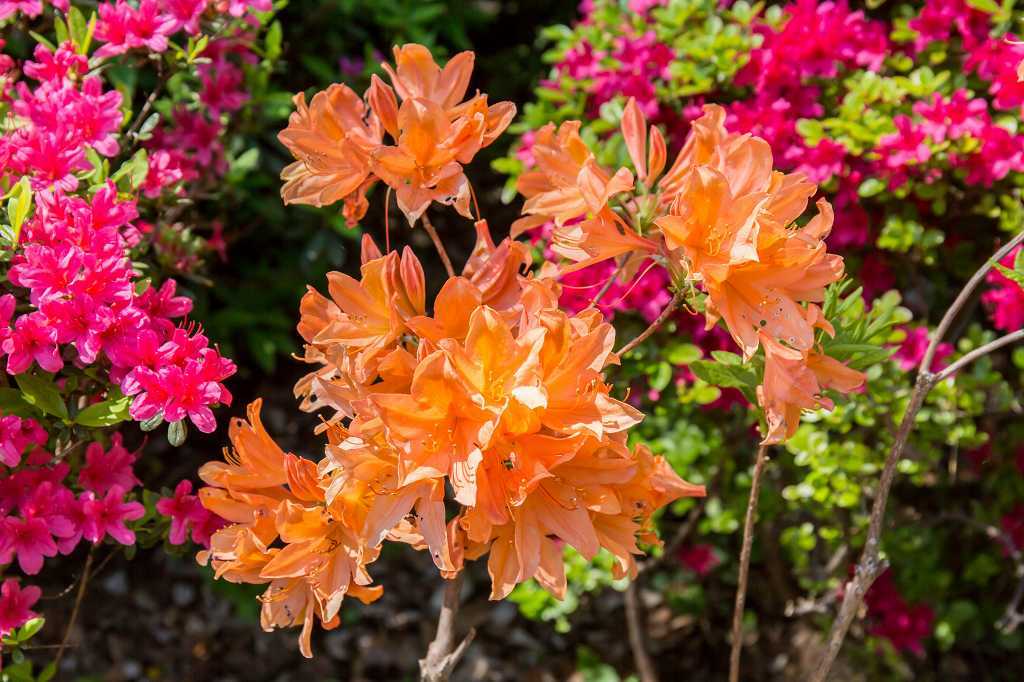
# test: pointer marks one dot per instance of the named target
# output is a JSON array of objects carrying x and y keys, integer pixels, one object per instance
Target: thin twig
[
  {"x": 681, "y": 535},
  {"x": 82, "y": 585},
  {"x": 148, "y": 104},
  {"x": 441, "y": 659},
  {"x": 606, "y": 287},
  {"x": 741, "y": 587},
  {"x": 677, "y": 299},
  {"x": 429, "y": 227},
  {"x": 634, "y": 624},
  {"x": 961, "y": 300},
  {"x": 979, "y": 352}
]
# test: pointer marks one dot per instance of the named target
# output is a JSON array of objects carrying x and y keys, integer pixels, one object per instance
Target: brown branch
[
  {"x": 961, "y": 300},
  {"x": 634, "y": 624},
  {"x": 442, "y": 654},
  {"x": 871, "y": 565},
  {"x": 677, "y": 300},
  {"x": 741, "y": 587},
  {"x": 978, "y": 352},
  {"x": 429, "y": 227},
  {"x": 82, "y": 585}
]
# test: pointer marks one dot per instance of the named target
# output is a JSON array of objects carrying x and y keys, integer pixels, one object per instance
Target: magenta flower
[
  {"x": 33, "y": 339},
  {"x": 912, "y": 349},
  {"x": 16, "y": 603},
  {"x": 700, "y": 558},
  {"x": 105, "y": 470},
  {"x": 108, "y": 515},
  {"x": 186, "y": 511},
  {"x": 29, "y": 539},
  {"x": 1005, "y": 300}
]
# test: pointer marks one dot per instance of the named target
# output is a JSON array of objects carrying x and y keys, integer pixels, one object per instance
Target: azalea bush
[
  {"x": 489, "y": 427},
  {"x": 118, "y": 124},
  {"x": 907, "y": 116}
]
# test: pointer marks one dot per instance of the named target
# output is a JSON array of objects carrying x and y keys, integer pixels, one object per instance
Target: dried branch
[
  {"x": 741, "y": 587},
  {"x": 82, "y": 586},
  {"x": 677, "y": 300},
  {"x": 978, "y": 352},
  {"x": 637, "y": 640},
  {"x": 442, "y": 654},
  {"x": 429, "y": 227},
  {"x": 870, "y": 565},
  {"x": 607, "y": 286}
]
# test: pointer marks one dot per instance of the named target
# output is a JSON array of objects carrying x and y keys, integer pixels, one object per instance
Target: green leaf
[
  {"x": 30, "y": 628},
  {"x": 77, "y": 27},
  {"x": 272, "y": 41},
  {"x": 871, "y": 187},
  {"x": 18, "y": 206},
  {"x": 177, "y": 432},
  {"x": 47, "y": 673},
  {"x": 726, "y": 358},
  {"x": 726, "y": 376},
  {"x": 987, "y": 6},
  {"x": 1012, "y": 275},
  {"x": 684, "y": 354},
  {"x": 13, "y": 402},
  {"x": 42, "y": 393},
  {"x": 107, "y": 413}
]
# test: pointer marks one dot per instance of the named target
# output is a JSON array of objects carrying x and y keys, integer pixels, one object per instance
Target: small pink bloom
[
  {"x": 107, "y": 516},
  {"x": 15, "y": 605},
  {"x": 105, "y": 470}
]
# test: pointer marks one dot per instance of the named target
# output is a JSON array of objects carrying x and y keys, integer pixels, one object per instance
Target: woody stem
[
  {"x": 429, "y": 227},
  {"x": 677, "y": 300},
  {"x": 741, "y": 587},
  {"x": 634, "y": 624},
  {"x": 83, "y": 583},
  {"x": 606, "y": 287},
  {"x": 442, "y": 654}
]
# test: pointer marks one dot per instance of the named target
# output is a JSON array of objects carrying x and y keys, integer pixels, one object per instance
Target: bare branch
[
  {"x": 741, "y": 587},
  {"x": 978, "y": 352},
  {"x": 677, "y": 300},
  {"x": 82, "y": 586},
  {"x": 442, "y": 654},
  {"x": 634, "y": 624},
  {"x": 961, "y": 300}
]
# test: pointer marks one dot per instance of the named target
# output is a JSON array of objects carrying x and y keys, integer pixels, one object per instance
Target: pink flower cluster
[
  {"x": 75, "y": 265},
  {"x": 1005, "y": 300},
  {"x": 630, "y": 69},
  {"x": 123, "y": 26},
  {"x": 699, "y": 558},
  {"x": 60, "y": 118},
  {"x": 16, "y": 435},
  {"x": 30, "y": 8},
  {"x": 42, "y": 516},
  {"x": 905, "y": 625},
  {"x": 187, "y": 514},
  {"x": 911, "y": 351}
]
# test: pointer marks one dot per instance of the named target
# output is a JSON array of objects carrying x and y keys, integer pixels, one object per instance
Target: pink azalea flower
[
  {"x": 905, "y": 625},
  {"x": 16, "y": 434},
  {"x": 27, "y": 538},
  {"x": 1005, "y": 300},
  {"x": 56, "y": 66},
  {"x": 912, "y": 349},
  {"x": 185, "y": 13},
  {"x": 105, "y": 470},
  {"x": 33, "y": 339},
  {"x": 108, "y": 515},
  {"x": 15, "y": 605},
  {"x": 700, "y": 558},
  {"x": 186, "y": 511},
  {"x": 30, "y": 8}
]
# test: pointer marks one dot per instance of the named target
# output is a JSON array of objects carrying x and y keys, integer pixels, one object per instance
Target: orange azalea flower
[
  {"x": 338, "y": 140},
  {"x": 333, "y": 139},
  {"x": 274, "y": 498},
  {"x": 794, "y": 381}
]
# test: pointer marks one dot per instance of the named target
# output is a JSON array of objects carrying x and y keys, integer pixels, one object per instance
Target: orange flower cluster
[
  {"x": 720, "y": 216},
  {"x": 338, "y": 138},
  {"x": 499, "y": 396}
]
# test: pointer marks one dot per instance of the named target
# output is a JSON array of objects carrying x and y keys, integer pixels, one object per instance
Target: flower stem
[
  {"x": 677, "y": 300},
  {"x": 634, "y": 624},
  {"x": 82, "y": 586},
  {"x": 429, "y": 227},
  {"x": 741, "y": 587}
]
